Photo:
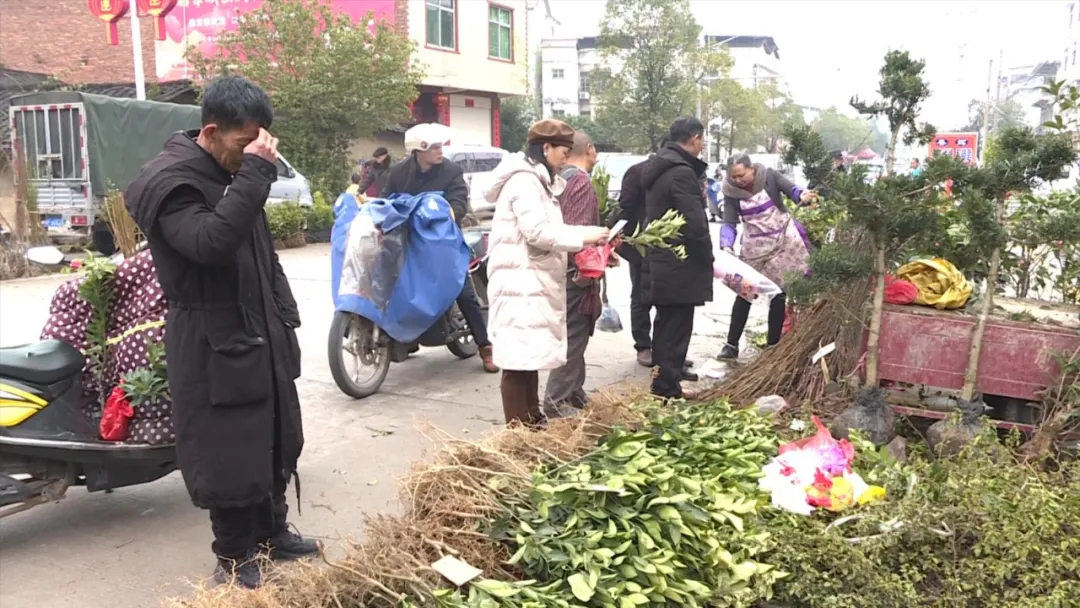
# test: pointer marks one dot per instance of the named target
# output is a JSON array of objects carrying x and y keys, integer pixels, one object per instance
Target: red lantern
[
  {"x": 109, "y": 11},
  {"x": 156, "y": 9}
]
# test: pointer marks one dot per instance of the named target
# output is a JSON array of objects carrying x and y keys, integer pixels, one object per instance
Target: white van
[{"x": 478, "y": 162}]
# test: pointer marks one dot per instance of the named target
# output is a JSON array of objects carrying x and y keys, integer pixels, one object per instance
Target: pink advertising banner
[{"x": 198, "y": 23}]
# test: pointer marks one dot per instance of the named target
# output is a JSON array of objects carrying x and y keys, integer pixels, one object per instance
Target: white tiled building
[
  {"x": 1070, "y": 69},
  {"x": 566, "y": 64}
]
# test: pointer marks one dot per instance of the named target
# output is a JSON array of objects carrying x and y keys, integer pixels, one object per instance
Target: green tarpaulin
[{"x": 122, "y": 134}]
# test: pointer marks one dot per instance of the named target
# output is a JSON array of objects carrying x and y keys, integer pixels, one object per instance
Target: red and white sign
[
  {"x": 963, "y": 146},
  {"x": 199, "y": 23}
]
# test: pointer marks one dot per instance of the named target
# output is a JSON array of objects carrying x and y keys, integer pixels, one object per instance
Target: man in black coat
[
  {"x": 672, "y": 180},
  {"x": 424, "y": 170},
  {"x": 632, "y": 211},
  {"x": 230, "y": 337}
]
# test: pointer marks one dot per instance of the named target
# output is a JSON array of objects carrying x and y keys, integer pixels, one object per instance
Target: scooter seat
[{"x": 41, "y": 363}]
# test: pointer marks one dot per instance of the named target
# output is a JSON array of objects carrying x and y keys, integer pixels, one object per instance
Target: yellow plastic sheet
[{"x": 940, "y": 284}]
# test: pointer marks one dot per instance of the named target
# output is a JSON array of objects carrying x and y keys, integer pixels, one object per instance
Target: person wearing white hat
[{"x": 423, "y": 170}]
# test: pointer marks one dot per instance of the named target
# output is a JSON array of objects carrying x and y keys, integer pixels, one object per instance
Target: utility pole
[
  {"x": 986, "y": 111},
  {"x": 137, "y": 55},
  {"x": 997, "y": 94}
]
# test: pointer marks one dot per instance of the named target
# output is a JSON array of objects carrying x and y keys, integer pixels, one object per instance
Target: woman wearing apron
[{"x": 773, "y": 242}]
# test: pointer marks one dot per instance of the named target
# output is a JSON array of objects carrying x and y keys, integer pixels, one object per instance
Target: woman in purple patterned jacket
[{"x": 773, "y": 242}]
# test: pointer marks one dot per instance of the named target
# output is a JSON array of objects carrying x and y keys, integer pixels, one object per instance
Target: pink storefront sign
[{"x": 199, "y": 23}]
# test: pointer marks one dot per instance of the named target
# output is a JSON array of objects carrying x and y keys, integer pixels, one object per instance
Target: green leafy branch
[{"x": 660, "y": 234}]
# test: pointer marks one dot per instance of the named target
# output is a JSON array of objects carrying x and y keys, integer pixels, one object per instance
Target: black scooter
[
  {"x": 47, "y": 443},
  {"x": 355, "y": 339}
]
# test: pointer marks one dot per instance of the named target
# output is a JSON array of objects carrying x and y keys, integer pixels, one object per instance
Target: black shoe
[
  {"x": 244, "y": 573},
  {"x": 290, "y": 545},
  {"x": 729, "y": 352},
  {"x": 688, "y": 376}
]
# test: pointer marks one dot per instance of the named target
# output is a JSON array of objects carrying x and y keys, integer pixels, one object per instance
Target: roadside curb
[{"x": 36, "y": 279}]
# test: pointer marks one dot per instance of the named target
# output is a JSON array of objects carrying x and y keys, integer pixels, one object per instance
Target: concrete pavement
[{"x": 130, "y": 548}]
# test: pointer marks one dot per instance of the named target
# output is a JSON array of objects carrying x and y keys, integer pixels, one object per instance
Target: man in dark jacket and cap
[
  {"x": 672, "y": 180},
  {"x": 425, "y": 170},
  {"x": 376, "y": 172},
  {"x": 230, "y": 336}
]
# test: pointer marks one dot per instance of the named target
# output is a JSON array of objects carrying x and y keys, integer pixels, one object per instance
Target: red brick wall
[
  {"x": 62, "y": 38},
  {"x": 401, "y": 16}
]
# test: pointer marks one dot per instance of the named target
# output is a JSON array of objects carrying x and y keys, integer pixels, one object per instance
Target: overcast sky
[{"x": 831, "y": 50}]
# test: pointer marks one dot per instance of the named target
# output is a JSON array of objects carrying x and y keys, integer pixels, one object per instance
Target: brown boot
[{"x": 486, "y": 359}]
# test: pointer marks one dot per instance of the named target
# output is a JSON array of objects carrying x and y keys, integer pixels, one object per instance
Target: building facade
[
  {"x": 1070, "y": 69},
  {"x": 473, "y": 52},
  {"x": 566, "y": 65}
]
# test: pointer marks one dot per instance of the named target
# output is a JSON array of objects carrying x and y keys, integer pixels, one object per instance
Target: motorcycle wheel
[
  {"x": 463, "y": 347},
  {"x": 346, "y": 343}
]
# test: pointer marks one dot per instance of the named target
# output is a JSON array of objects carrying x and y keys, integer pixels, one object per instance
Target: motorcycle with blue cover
[
  {"x": 47, "y": 443},
  {"x": 360, "y": 353}
]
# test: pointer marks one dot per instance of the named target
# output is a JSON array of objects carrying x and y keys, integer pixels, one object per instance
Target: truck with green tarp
[{"x": 76, "y": 146}]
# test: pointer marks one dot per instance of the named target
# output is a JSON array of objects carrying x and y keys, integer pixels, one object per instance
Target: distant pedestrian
[
  {"x": 580, "y": 207},
  {"x": 916, "y": 168},
  {"x": 673, "y": 181},
  {"x": 354, "y": 185},
  {"x": 527, "y": 266},
  {"x": 376, "y": 172}
]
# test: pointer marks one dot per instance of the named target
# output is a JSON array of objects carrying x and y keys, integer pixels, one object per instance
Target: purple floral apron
[{"x": 773, "y": 243}]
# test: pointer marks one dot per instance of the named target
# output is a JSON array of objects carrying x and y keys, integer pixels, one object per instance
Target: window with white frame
[
  {"x": 558, "y": 74},
  {"x": 441, "y": 24},
  {"x": 583, "y": 82},
  {"x": 500, "y": 33},
  {"x": 558, "y": 113}
]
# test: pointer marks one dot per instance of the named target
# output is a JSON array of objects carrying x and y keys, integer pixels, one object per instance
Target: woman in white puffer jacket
[{"x": 527, "y": 267}]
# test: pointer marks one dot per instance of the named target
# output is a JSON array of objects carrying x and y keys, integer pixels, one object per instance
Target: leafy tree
[
  {"x": 516, "y": 115},
  {"x": 1008, "y": 113},
  {"x": 742, "y": 115},
  {"x": 602, "y": 135},
  {"x": 331, "y": 81},
  {"x": 903, "y": 91},
  {"x": 840, "y": 132},
  {"x": 657, "y": 44}
]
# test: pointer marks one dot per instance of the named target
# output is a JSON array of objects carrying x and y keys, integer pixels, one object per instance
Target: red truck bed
[{"x": 924, "y": 346}]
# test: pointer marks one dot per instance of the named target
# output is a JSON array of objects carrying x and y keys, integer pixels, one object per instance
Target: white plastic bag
[{"x": 740, "y": 277}]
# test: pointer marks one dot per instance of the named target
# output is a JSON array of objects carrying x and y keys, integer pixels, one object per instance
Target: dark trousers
[
  {"x": 470, "y": 308},
  {"x": 740, "y": 312},
  {"x": 521, "y": 396},
  {"x": 566, "y": 384},
  {"x": 671, "y": 341},
  {"x": 640, "y": 322},
  {"x": 239, "y": 531}
]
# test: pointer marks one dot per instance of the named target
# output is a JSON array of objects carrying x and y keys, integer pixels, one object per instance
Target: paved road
[{"x": 132, "y": 547}]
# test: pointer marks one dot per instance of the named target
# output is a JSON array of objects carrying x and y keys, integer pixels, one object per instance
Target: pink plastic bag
[
  {"x": 835, "y": 456},
  {"x": 592, "y": 262}
]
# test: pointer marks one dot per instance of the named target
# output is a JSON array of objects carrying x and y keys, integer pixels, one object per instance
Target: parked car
[
  {"x": 290, "y": 186},
  {"x": 478, "y": 162},
  {"x": 616, "y": 165}
]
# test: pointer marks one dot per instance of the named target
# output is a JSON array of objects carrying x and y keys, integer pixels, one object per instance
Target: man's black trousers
[
  {"x": 671, "y": 341},
  {"x": 240, "y": 531},
  {"x": 640, "y": 322}
]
